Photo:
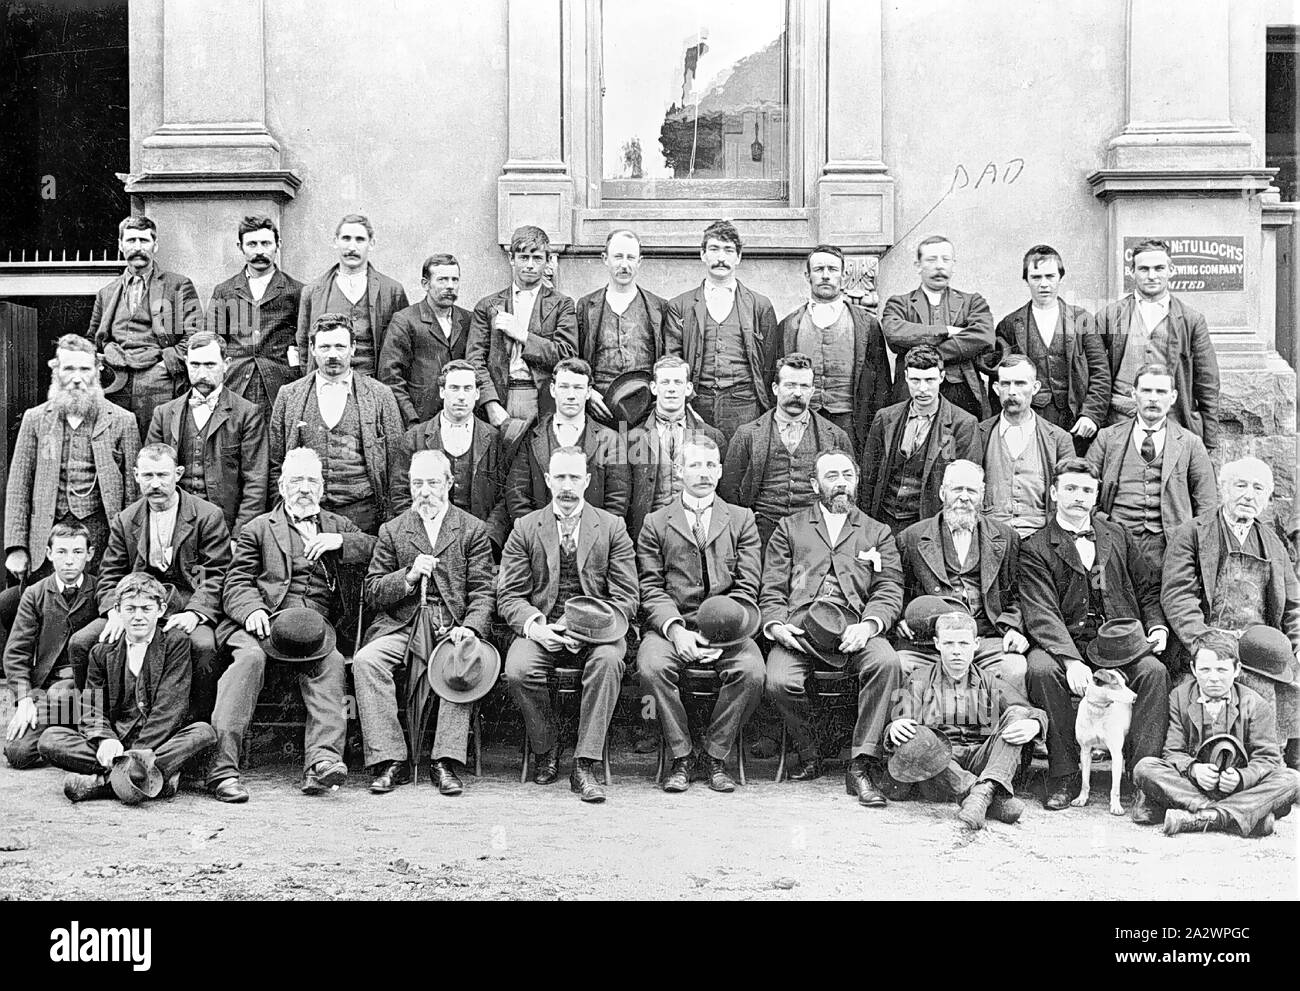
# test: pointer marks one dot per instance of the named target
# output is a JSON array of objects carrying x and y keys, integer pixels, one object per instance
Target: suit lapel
[
  {"x": 701, "y": 312},
  {"x": 587, "y": 533},
  {"x": 719, "y": 521},
  {"x": 790, "y": 339},
  {"x": 417, "y": 534},
  {"x": 1208, "y": 558},
  {"x": 930, "y": 547},
  {"x": 595, "y": 309},
  {"x": 541, "y": 309},
  {"x": 449, "y": 531},
  {"x": 280, "y": 531},
  {"x": 1066, "y": 550},
  {"x": 135, "y": 525},
  {"x": 541, "y": 444},
  {"x": 548, "y": 532},
  {"x": 678, "y": 519},
  {"x": 177, "y": 421},
  {"x": 818, "y": 522},
  {"x": 1174, "y": 444},
  {"x": 1106, "y": 546},
  {"x": 934, "y": 442},
  {"x": 219, "y": 415},
  {"x": 1119, "y": 335},
  {"x": 185, "y": 516},
  {"x": 993, "y": 548}
]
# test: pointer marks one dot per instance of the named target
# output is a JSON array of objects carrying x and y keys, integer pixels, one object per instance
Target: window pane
[{"x": 694, "y": 91}]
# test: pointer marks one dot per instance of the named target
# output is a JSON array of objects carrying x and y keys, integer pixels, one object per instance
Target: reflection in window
[{"x": 694, "y": 91}]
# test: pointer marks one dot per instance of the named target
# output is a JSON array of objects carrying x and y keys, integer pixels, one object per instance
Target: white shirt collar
[
  {"x": 582, "y": 504},
  {"x": 1005, "y": 425},
  {"x": 934, "y": 298},
  {"x": 212, "y": 397},
  {"x": 449, "y": 424},
  {"x": 782, "y": 416},
  {"x": 697, "y": 505},
  {"x": 63, "y": 588},
  {"x": 1162, "y": 304},
  {"x": 727, "y": 288},
  {"x": 823, "y": 314},
  {"x": 520, "y": 291},
  {"x": 577, "y": 426},
  {"x": 345, "y": 382},
  {"x": 828, "y": 516},
  {"x": 1069, "y": 527},
  {"x": 259, "y": 278}
]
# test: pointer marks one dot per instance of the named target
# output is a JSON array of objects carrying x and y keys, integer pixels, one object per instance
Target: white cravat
[
  {"x": 568, "y": 434},
  {"x": 433, "y": 526},
  {"x": 257, "y": 283},
  {"x": 834, "y": 523},
  {"x": 1045, "y": 320},
  {"x": 1239, "y": 530},
  {"x": 352, "y": 286},
  {"x": 162, "y": 526},
  {"x": 620, "y": 300},
  {"x": 825, "y": 314},
  {"x": 1016, "y": 435},
  {"x": 135, "y": 655},
  {"x": 305, "y": 526},
  {"x": 1152, "y": 312},
  {"x": 961, "y": 543},
  {"x": 934, "y": 298},
  {"x": 202, "y": 410},
  {"x": 1087, "y": 549},
  {"x": 73, "y": 421},
  {"x": 719, "y": 300},
  {"x": 456, "y": 437},
  {"x": 332, "y": 397}
]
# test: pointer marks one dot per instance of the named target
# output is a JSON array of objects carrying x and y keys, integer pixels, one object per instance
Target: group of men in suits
[{"x": 572, "y": 467}]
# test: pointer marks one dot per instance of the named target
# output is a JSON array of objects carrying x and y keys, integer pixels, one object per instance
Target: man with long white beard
[
  {"x": 439, "y": 553},
  {"x": 832, "y": 588},
  {"x": 72, "y": 464}
]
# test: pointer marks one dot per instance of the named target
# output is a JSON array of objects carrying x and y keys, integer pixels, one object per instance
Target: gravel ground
[{"x": 505, "y": 840}]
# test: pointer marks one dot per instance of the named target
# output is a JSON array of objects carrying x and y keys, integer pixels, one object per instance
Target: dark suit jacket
[
  {"x": 1187, "y": 483},
  {"x": 610, "y": 487},
  {"x": 39, "y": 637},
  {"x": 262, "y": 568},
  {"x": 925, "y": 572},
  {"x": 870, "y": 384},
  {"x": 414, "y": 352},
  {"x": 905, "y": 321},
  {"x": 200, "y": 543},
  {"x": 744, "y": 469},
  {"x": 384, "y": 295},
  {"x": 1195, "y": 366},
  {"x": 463, "y": 576},
  {"x": 552, "y": 336},
  {"x": 1054, "y": 586},
  {"x": 37, "y": 466},
  {"x": 1250, "y": 719},
  {"x": 1054, "y": 445},
  {"x": 684, "y": 334},
  {"x": 381, "y": 432},
  {"x": 800, "y": 555},
  {"x": 590, "y": 308},
  {"x": 643, "y": 459},
  {"x": 162, "y": 690},
  {"x": 258, "y": 336},
  {"x": 236, "y": 458},
  {"x": 529, "y": 580},
  {"x": 1191, "y": 576},
  {"x": 672, "y": 581},
  {"x": 953, "y": 437},
  {"x": 487, "y": 483},
  {"x": 1089, "y": 372},
  {"x": 175, "y": 314}
]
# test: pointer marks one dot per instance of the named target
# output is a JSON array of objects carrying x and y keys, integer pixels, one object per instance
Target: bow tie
[
  {"x": 198, "y": 400},
  {"x": 1084, "y": 535},
  {"x": 313, "y": 520}
]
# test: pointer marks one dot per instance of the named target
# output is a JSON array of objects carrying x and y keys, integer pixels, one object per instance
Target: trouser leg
[
  {"x": 741, "y": 671},
  {"x": 65, "y": 747},
  {"x": 995, "y": 759},
  {"x": 1167, "y": 787},
  {"x": 1149, "y": 679},
  {"x": 879, "y": 681},
  {"x": 1049, "y": 691},
  {"x": 203, "y": 666},
  {"x": 322, "y": 687},
  {"x": 55, "y": 706},
  {"x": 602, "y": 679},
  {"x": 189, "y": 741},
  {"x": 237, "y": 691},
  {"x": 527, "y": 668},
  {"x": 788, "y": 672},
  {"x": 660, "y": 671},
  {"x": 1274, "y": 793},
  {"x": 79, "y": 645},
  {"x": 451, "y": 733},
  {"x": 373, "y": 669}
]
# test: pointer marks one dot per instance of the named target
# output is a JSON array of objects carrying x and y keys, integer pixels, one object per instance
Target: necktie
[
  {"x": 912, "y": 435},
  {"x": 69, "y": 594},
  {"x": 701, "y": 536},
  {"x": 671, "y": 429},
  {"x": 135, "y": 291},
  {"x": 1148, "y": 446},
  {"x": 567, "y": 525}
]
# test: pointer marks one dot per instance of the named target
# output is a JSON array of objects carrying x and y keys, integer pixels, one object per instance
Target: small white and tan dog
[{"x": 1103, "y": 720}]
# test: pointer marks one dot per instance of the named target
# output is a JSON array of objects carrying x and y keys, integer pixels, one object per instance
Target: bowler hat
[
  {"x": 823, "y": 628},
  {"x": 135, "y": 777},
  {"x": 922, "y": 612},
  {"x": 629, "y": 397},
  {"x": 1267, "y": 652},
  {"x": 726, "y": 620},
  {"x": 921, "y": 757},
  {"x": 299, "y": 636},
  {"x": 593, "y": 620},
  {"x": 465, "y": 671},
  {"x": 112, "y": 379},
  {"x": 1119, "y": 642},
  {"x": 1222, "y": 747}
]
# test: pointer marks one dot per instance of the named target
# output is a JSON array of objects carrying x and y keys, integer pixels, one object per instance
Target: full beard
[
  {"x": 960, "y": 519},
  {"x": 840, "y": 502},
  {"x": 73, "y": 402}
]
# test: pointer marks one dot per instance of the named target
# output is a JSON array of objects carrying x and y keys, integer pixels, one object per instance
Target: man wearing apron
[{"x": 1226, "y": 571}]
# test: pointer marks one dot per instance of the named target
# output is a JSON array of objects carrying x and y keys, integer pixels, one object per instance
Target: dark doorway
[
  {"x": 64, "y": 114},
  {"x": 1282, "y": 151}
]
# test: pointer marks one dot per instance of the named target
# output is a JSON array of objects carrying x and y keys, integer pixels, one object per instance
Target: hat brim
[
  {"x": 1241, "y": 758},
  {"x": 753, "y": 620},
  {"x": 936, "y": 762},
  {"x": 1285, "y": 678},
  {"x": 1102, "y": 662},
  {"x": 125, "y": 786},
  {"x": 438, "y": 682},
  {"x": 834, "y": 658},
  {"x": 326, "y": 648},
  {"x": 615, "y": 633},
  {"x": 117, "y": 384}
]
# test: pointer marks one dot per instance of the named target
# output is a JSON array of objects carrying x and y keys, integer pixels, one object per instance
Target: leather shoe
[
  {"x": 1061, "y": 792},
  {"x": 87, "y": 787},
  {"x": 229, "y": 790},
  {"x": 171, "y": 786},
  {"x": 1207, "y": 820},
  {"x": 1264, "y": 827},
  {"x": 975, "y": 806},
  {"x": 444, "y": 776},
  {"x": 324, "y": 776},
  {"x": 719, "y": 779},
  {"x": 547, "y": 768},
  {"x": 389, "y": 775},
  {"x": 810, "y": 770},
  {"x": 1143, "y": 812},
  {"x": 678, "y": 778},
  {"x": 583, "y": 783},
  {"x": 857, "y": 781}
]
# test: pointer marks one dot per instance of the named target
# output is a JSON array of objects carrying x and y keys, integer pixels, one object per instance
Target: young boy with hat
[
  {"x": 1226, "y": 795},
  {"x": 134, "y": 707},
  {"x": 959, "y": 731}
]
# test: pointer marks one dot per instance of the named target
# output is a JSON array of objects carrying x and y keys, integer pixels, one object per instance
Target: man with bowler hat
[
  {"x": 832, "y": 587},
  {"x": 568, "y": 588},
  {"x": 700, "y": 569},
  {"x": 280, "y": 592},
  {"x": 438, "y": 551}
]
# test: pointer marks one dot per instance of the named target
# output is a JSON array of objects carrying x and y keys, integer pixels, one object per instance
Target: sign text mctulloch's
[{"x": 1201, "y": 264}]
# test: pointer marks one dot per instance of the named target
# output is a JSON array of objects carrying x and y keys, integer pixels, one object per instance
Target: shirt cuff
[
  {"x": 880, "y": 627},
  {"x": 669, "y": 625},
  {"x": 528, "y": 625},
  {"x": 767, "y": 629}
]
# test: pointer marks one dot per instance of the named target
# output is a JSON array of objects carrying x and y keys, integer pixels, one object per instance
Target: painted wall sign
[{"x": 1201, "y": 264}]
